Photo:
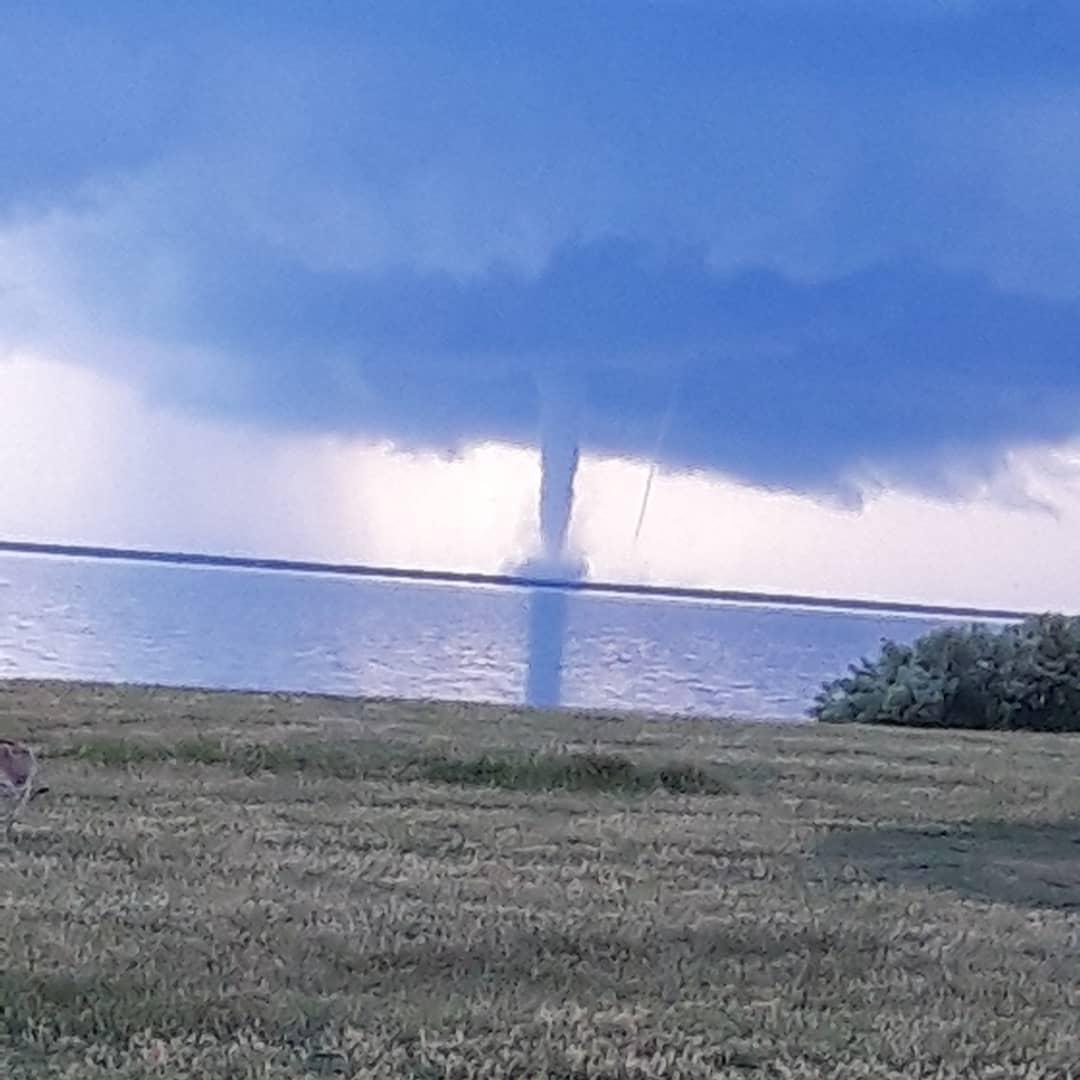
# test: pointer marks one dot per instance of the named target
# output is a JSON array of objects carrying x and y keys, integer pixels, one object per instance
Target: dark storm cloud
[
  {"x": 776, "y": 381},
  {"x": 823, "y": 236}
]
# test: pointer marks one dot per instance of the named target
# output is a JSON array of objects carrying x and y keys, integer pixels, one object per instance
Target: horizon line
[{"x": 460, "y": 577}]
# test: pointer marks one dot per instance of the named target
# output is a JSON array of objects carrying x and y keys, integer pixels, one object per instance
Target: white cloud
[
  {"x": 84, "y": 459},
  {"x": 703, "y": 530}
]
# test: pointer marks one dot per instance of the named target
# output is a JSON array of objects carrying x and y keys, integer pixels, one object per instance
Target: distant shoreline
[{"x": 454, "y": 577}]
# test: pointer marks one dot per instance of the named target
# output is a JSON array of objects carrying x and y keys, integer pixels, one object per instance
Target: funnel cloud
[{"x": 559, "y": 455}]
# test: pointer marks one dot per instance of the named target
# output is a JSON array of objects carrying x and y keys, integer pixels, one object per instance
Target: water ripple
[{"x": 291, "y": 631}]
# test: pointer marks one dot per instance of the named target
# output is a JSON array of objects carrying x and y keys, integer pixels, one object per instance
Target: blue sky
[{"x": 822, "y": 248}]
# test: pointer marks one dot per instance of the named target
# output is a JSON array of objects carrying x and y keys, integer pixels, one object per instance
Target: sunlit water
[{"x": 243, "y": 629}]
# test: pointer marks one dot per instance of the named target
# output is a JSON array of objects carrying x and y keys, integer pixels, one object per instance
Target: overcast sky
[{"x": 296, "y": 279}]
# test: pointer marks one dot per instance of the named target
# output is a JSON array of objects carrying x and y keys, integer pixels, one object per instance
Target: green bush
[{"x": 1025, "y": 675}]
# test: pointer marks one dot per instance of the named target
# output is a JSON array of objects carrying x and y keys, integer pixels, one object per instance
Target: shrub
[{"x": 1026, "y": 675}]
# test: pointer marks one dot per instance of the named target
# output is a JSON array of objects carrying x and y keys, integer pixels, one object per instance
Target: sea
[{"x": 129, "y": 621}]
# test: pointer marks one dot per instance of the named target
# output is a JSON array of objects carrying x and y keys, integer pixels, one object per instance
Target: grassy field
[{"x": 234, "y": 885}]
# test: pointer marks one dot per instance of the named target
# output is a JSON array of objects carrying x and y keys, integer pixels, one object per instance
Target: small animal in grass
[{"x": 18, "y": 771}]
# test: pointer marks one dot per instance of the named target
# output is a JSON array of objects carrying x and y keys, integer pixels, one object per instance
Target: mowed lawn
[{"x": 243, "y": 885}]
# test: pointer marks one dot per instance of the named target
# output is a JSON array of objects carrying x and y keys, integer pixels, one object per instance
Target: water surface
[{"x": 270, "y": 630}]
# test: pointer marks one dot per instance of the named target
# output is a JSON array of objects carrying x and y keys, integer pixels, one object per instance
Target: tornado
[
  {"x": 560, "y": 413},
  {"x": 559, "y": 455}
]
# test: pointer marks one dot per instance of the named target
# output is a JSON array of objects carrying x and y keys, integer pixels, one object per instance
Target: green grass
[
  {"x": 575, "y": 772},
  {"x": 535, "y": 771},
  {"x": 275, "y": 886}
]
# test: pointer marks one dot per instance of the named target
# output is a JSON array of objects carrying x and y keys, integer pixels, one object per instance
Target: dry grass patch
[{"x": 281, "y": 886}]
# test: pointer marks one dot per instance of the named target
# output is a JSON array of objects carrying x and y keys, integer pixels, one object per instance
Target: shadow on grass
[
  {"x": 577, "y": 772},
  {"x": 1026, "y": 864},
  {"x": 180, "y": 996},
  {"x": 353, "y": 760},
  {"x": 115, "y": 1008}
]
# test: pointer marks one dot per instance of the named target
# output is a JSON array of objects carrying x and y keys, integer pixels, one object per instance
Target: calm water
[{"x": 85, "y": 619}]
